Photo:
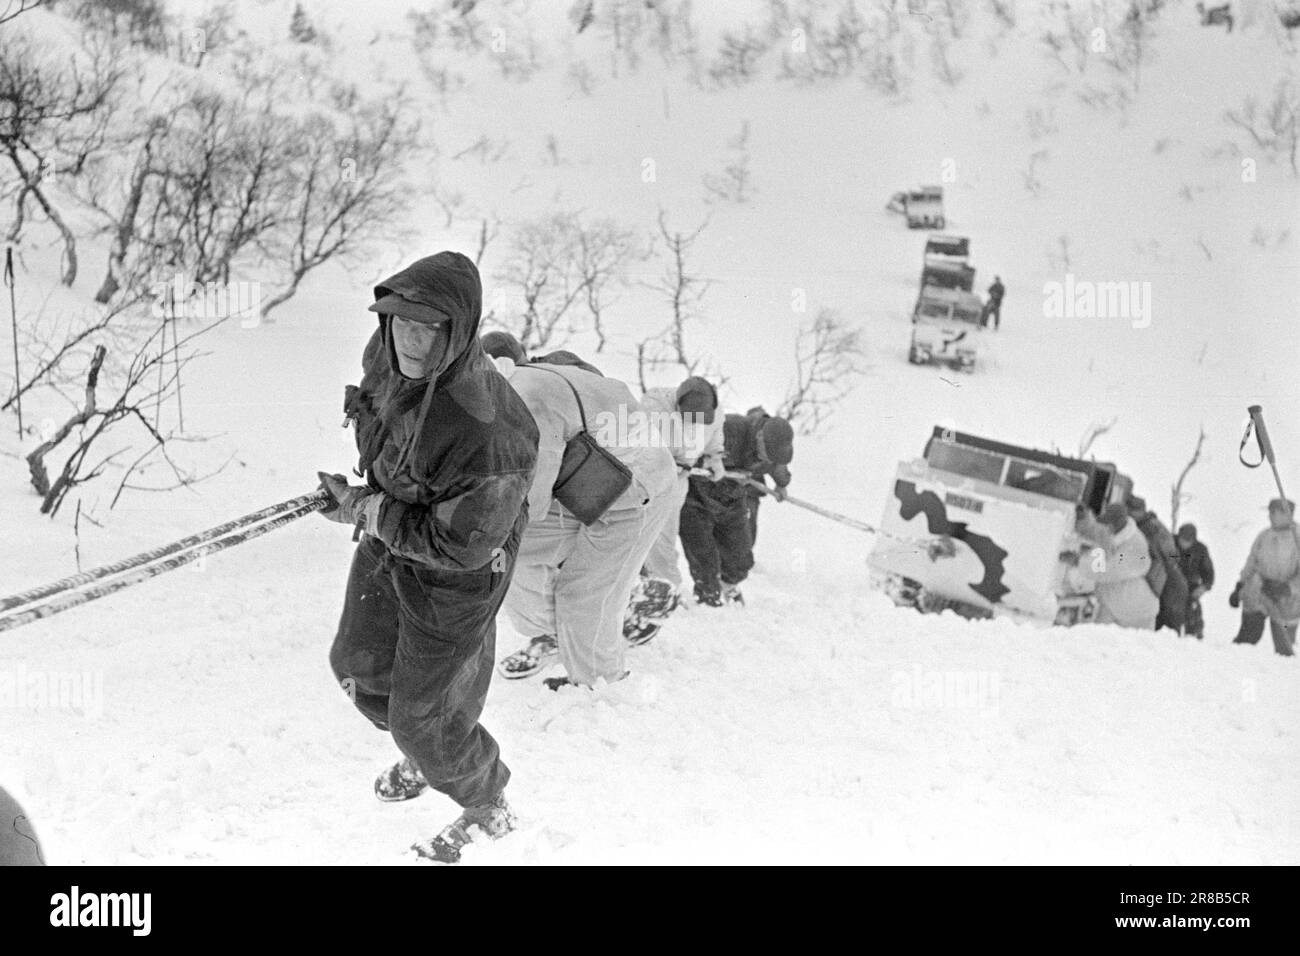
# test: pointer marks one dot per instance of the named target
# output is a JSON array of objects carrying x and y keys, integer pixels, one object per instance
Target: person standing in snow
[
  {"x": 715, "y": 522},
  {"x": 1194, "y": 561},
  {"x": 1269, "y": 584},
  {"x": 1123, "y": 595},
  {"x": 573, "y": 581},
  {"x": 779, "y": 472},
  {"x": 447, "y": 450},
  {"x": 690, "y": 424},
  {"x": 1165, "y": 577},
  {"x": 993, "y": 307}
]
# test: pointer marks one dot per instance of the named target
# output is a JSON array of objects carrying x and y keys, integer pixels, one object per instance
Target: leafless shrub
[
  {"x": 13, "y": 8},
  {"x": 732, "y": 184},
  {"x": 1177, "y": 495},
  {"x": 739, "y": 56},
  {"x": 557, "y": 264},
  {"x": 1091, "y": 434},
  {"x": 53, "y": 118},
  {"x": 829, "y": 357},
  {"x": 131, "y": 412},
  {"x": 1273, "y": 126},
  {"x": 684, "y": 291},
  {"x": 347, "y": 190}
]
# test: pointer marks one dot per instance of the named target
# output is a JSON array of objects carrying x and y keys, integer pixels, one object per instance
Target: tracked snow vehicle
[
  {"x": 979, "y": 527},
  {"x": 923, "y": 207}
]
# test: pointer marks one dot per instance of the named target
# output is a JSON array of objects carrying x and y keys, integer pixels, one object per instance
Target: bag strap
[
  {"x": 581, "y": 412},
  {"x": 1241, "y": 451}
]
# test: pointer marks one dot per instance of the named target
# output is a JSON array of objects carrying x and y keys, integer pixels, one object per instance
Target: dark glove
[
  {"x": 1234, "y": 599},
  {"x": 348, "y": 500},
  {"x": 778, "y": 492}
]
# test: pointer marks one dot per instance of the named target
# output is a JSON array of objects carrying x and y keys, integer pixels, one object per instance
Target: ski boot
[
  {"x": 529, "y": 660},
  {"x": 401, "y": 781},
  {"x": 638, "y": 631},
  {"x": 711, "y": 597},
  {"x": 495, "y": 820},
  {"x": 654, "y": 599}
]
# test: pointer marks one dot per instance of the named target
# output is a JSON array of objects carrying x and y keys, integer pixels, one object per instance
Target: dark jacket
[
  {"x": 454, "y": 453},
  {"x": 1166, "y": 578},
  {"x": 1196, "y": 566},
  {"x": 996, "y": 291},
  {"x": 740, "y": 444}
]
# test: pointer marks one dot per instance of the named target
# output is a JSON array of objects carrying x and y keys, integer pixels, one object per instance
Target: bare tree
[
  {"x": 543, "y": 268},
  {"x": 732, "y": 184},
  {"x": 1091, "y": 433},
  {"x": 556, "y": 265},
  {"x": 603, "y": 250},
  {"x": 50, "y": 358},
  {"x": 12, "y": 8},
  {"x": 53, "y": 118},
  {"x": 344, "y": 196},
  {"x": 739, "y": 56},
  {"x": 1177, "y": 495},
  {"x": 1273, "y": 127},
  {"x": 130, "y": 402},
  {"x": 829, "y": 356},
  {"x": 123, "y": 221},
  {"x": 487, "y": 231},
  {"x": 685, "y": 291}
]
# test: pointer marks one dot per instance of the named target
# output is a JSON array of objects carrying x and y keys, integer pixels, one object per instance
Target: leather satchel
[{"x": 590, "y": 478}]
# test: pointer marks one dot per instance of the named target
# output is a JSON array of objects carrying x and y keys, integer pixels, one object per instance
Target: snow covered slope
[{"x": 819, "y": 723}]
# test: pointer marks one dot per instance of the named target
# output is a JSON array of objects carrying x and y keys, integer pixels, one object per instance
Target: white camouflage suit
[{"x": 572, "y": 580}]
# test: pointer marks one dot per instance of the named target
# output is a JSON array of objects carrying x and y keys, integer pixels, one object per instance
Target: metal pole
[
  {"x": 71, "y": 599},
  {"x": 1266, "y": 446},
  {"x": 744, "y": 479},
  {"x": 126, "y": 564},
  {"x": 13, "y": 312}
]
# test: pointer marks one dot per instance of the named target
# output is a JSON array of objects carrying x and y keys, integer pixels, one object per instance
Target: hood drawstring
[{"x": 414, "y": 438}]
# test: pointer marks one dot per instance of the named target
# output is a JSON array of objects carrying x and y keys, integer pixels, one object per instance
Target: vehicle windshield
[
  {"x": 970, "y": 462},
  {"x": 1008, "y": 471},
  {"x": 1045, "y": 480}
]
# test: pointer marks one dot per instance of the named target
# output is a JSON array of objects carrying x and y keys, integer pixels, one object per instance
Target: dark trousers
[
  {"x": 1195, "y": 626},
  {"x": 717, "y": 544},
  {"x": 1252, "y": 629},
  {"x": 415, "y": 650},
  {"x": 992, "y": 310}
]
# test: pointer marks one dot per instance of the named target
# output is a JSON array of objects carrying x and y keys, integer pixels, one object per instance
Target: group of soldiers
[{"x": 465, "y": 445}]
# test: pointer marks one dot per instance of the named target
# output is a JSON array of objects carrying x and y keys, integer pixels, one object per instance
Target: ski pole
[
  {"x": 13, "y": 313},
  {"x": 126, "y": 564},
  {"x": 1265, "y": 446},
  {"x": 71, "y": 599}
]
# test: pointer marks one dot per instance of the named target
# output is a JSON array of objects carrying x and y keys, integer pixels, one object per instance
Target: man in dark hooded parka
[{"x": 447, "y": 450}]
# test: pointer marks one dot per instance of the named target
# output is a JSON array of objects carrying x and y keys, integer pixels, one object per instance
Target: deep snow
[{"x": 805, "y": 726}]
